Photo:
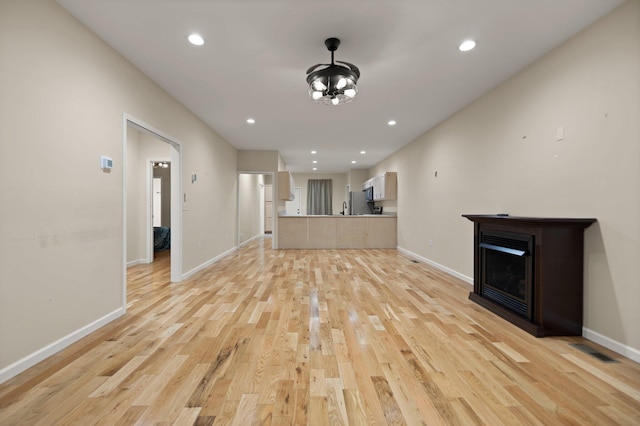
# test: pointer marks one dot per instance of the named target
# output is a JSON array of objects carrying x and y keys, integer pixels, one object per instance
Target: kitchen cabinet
[
  {"x": 285, "y": 186},
  {"x": 379, "y": 188},
  {"x": 352, "y": 233},
  {"x": 337, "y": 232},
  {"x": 382, "y": 233},
  {"x": 321, "y": 232},
  {"x": 292, "y": 232},
  {"x": 385, "y": 186}
]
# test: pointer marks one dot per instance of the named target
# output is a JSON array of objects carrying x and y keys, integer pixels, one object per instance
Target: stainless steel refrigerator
[{"x": 358, "y": 204}]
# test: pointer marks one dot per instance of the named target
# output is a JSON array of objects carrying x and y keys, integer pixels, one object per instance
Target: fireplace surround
[{"x": 529, "y": 271}]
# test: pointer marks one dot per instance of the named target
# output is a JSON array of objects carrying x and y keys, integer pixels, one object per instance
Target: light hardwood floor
[{"x": 317, "y": 337}]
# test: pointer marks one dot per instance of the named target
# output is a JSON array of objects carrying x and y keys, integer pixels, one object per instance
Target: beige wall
[
  {"x": 64, "y": 93},
  {"x": 339, "y": 184},
  {"x": 135, "y": 250},
  {"x": 355, "y": 178},
  {"x": 499, "y": 155},
  {"x": 258, "y": 161}
]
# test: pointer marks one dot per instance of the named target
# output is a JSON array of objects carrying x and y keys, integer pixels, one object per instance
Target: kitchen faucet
[{"x": 344, "y": 208}]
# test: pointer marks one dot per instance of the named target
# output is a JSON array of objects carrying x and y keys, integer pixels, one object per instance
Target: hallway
[{"x": 317, "y": 337}]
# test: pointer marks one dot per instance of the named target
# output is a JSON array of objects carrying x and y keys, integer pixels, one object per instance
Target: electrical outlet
[{"x": 430, "y": 243}]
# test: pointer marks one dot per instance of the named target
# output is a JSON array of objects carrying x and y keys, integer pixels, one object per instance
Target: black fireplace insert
[{"x": 506, "y": 267}]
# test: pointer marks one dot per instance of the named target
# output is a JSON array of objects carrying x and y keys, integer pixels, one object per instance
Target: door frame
[{"x": 176, "y": 191}]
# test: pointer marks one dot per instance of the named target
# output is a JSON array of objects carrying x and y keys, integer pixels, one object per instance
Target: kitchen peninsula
[{"x": 337, "y": 231}]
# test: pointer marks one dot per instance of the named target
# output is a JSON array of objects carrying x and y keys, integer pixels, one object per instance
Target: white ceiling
[{"x": 256, "y": 53}]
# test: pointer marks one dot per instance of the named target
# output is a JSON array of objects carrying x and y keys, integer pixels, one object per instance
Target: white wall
[
  {"x": 339, "y": 184},
  {"x": 249, "y": 186},
  {"x": 165, "y": 205},
  {"x": 500, "y": 155},
  {"x": 64, "y": 95}
]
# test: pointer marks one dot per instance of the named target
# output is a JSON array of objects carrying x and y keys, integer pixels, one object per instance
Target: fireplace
[
  {"x": 530, "y": 271},
  {"x": 506, "y": 270}
]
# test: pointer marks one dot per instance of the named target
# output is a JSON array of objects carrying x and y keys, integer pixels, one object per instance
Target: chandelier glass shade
[{"x": 333, "y": 84}]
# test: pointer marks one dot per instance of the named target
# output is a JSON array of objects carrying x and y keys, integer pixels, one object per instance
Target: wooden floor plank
[{"x": 315, "y": 337}]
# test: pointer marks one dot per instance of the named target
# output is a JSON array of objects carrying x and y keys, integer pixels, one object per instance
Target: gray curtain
[{"x": 319, "y": 196}]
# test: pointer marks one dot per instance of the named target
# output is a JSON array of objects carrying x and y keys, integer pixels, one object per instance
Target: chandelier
[{"x": 334, "y": 84}]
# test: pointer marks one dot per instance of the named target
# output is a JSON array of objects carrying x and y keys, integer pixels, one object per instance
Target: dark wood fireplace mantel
[{"x": 554, "y": 268}]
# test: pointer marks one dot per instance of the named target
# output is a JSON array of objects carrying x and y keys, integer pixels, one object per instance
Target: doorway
[
  {"x": 158, "y": 240},
  {"x": 294, "y": 208},
  {"x": 256, "y": 207},
  {"x": 133, "y": 159}
]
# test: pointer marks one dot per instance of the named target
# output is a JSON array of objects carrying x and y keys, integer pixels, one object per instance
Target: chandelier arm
[
  {"x": 355, "y": 69},
  {"x": 311, "y": 69}
]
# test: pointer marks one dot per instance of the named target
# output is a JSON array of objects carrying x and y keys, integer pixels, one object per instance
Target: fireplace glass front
[{"x": 507, "y": 274}]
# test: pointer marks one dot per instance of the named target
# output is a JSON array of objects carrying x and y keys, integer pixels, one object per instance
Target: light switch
[{"x": 560, "y": 133}]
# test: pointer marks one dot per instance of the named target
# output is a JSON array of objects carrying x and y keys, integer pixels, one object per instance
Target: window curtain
[{"x": 319, "y": 196}]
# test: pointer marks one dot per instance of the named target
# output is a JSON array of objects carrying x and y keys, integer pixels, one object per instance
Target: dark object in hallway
[{"x": 161, "y": 238}]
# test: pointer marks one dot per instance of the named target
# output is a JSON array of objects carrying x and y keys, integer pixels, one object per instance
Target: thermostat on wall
[{"x": 106, "y": 163}]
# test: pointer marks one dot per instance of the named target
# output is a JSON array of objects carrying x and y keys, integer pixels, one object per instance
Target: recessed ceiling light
[
  {"x": 196, "y": 39},
  {"x": 392, "y": 122},
  {"x": 251, "y": 121},
  {"x": 313, "y": 152},
  {"x": 467, "y": 45},
  {"x": 353, "y": 161},
  {"x": 315, "y": 161},
  {"x": 315, "y": 168},
  {"x": 363, "y": 152}
]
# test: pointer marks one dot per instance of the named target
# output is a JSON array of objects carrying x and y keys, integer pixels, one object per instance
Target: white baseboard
[
  {"x": 624, "y": 350},
  {"x": 39, "y": 355},
  {"x": 251, "y": 239},
  {"x": 208, "y": 263},
  {"x": 468, "y": 280},
  {"x": 136, "y": 262}
]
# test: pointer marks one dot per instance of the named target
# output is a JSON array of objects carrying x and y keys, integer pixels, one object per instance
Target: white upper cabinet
[{"x": 385, "y": 186}]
